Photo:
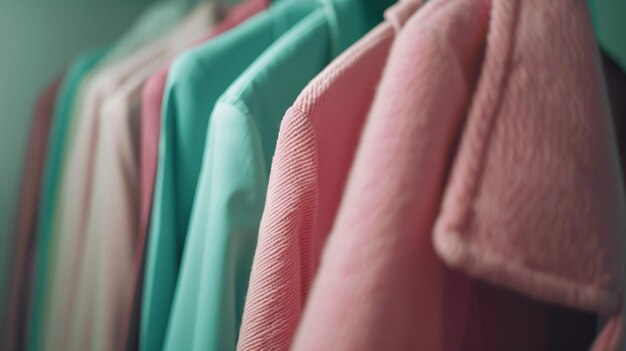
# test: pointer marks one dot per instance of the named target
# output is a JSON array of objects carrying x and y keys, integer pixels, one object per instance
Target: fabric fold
[{"x": 535, "y": 200}]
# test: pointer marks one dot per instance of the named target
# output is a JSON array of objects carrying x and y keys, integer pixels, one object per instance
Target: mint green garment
[
  {"x": 196, "y": 80},
  {"x": 159, "y": 18},
  {"x": 610, "y": 27},
  {"x": 241, "y": 140}
]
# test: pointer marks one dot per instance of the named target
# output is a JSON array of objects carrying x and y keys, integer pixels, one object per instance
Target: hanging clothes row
[{"x": 328, "y": 175}]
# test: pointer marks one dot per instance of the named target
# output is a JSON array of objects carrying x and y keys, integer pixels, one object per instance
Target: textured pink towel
[
  {"x": 316, "y": 144},
  {"x": 535, "y": 200},
  {"x": 531, "y": 201}
]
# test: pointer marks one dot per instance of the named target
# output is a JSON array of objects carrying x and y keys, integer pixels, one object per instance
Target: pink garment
[
  {"x": 22, "y": 262},
  {"x": 380, "y": 285},
  {"x": 535, "y": 201},
  {"x": 531, "y": 201},
  {"x": 316, "y": 144}
]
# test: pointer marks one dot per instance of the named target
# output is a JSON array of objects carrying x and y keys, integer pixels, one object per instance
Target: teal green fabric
[
  {"x": 196, "y": 80},
  {"x": 58, "y": 132},
  {"x": 156, "y": 21},
  {"x": 610, "y": 27},
  {"x": 242, "y": 135}
]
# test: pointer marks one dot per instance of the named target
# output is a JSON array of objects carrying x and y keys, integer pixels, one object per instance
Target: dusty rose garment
[
  {"x": 380, "y": 285},
  {"x": 531, "y": 202},
  {"x": 314, "y": 152},
  {"x": 26, "y": 222},
  {"x": 535, "y": 201}
]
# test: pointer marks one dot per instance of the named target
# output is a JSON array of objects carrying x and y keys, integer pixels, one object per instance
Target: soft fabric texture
[
  {"x": 196, "y": 80},
  {"x": 106, "y": 280},
  {"x": 151, "y": 102},
  {"x": 531, "y": 201},
  {"x": 63, "y": 212},
  {"x": 22, "y": 260},
  {"x": 535, "y": 201},
  {"x": 316, "y": 143}
]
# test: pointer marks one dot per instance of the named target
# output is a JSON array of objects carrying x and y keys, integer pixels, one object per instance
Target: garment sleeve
[{"x": 222, "y": 238}]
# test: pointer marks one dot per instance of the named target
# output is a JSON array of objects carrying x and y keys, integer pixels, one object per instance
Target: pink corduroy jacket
[
  {"x": 318, "y": 137},
  {"x": 488, "y": 159}
]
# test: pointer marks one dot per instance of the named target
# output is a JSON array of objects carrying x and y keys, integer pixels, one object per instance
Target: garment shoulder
[
  {"x": 184, "y": 67},
  {"x": 232, "y": 106}
]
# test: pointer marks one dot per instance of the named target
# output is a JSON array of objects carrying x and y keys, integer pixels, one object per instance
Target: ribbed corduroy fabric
[
  {"x": 531, "y": 201},
  {"x": 22, "y": 263},
  {"x": 315, "y": 147},
  {"x": 388, "y": 286}
]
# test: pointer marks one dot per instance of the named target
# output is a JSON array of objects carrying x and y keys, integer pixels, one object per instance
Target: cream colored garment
[
  {"x": 106, "y": 281},
  {"x": 68, "y": 207}
]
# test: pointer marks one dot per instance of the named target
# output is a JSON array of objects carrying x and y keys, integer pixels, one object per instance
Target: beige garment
[
  {"x": 106, "y": 280},
  {"x": 69, "y": 208}
]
